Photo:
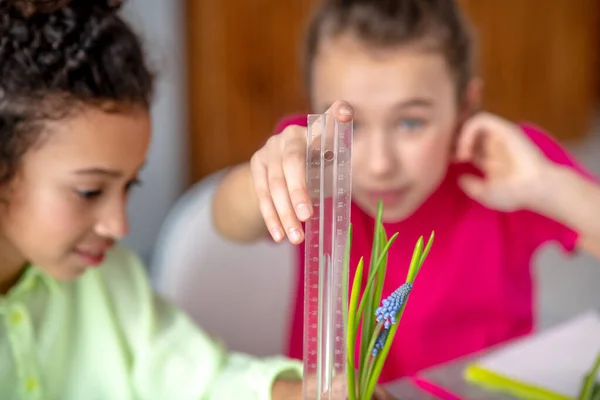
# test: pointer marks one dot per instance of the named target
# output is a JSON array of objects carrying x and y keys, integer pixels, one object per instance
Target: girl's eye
[
  {"x": 92, "y": 194},
  {"x": 411, "y": 124},
  {"x": 89, "y": 194},
  {"x": 132, "y": 184}
]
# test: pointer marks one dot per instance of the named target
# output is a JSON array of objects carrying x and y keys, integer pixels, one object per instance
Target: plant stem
[
  {"x": 368, "y": 296},
  {"x": 379, "y": 361},
  {"x": 368, "y": 368},
  {"x": 351, "y": 353}
]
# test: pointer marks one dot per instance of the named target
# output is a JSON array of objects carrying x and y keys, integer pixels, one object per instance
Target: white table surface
[{"x": 448, "y": 376}]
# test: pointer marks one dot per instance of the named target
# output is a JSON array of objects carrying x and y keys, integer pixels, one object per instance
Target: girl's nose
[
  {"x": 114, "y": 223},
  {"x": 380, "y": 156}
]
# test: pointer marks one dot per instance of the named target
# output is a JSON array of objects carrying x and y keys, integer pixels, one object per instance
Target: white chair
[{"x": 241, "y": 294}]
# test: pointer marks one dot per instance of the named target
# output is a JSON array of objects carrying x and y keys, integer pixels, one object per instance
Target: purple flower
[
  {"x": 390, "y": 306},
  {"x": 380, "y": 342}
]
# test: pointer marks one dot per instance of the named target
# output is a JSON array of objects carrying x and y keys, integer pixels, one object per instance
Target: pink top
[{"x": 475, "y": 289}]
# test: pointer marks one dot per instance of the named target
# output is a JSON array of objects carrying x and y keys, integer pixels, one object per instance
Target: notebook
[{"x": 550, "y": 365}]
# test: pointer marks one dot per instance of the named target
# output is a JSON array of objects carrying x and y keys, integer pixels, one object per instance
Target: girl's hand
[
  {"x": 279, "y": 176},
  {"x": 511, "y": 163},
  {"x": 294, "y": 390},
  {"x": 381, "y": 394}
]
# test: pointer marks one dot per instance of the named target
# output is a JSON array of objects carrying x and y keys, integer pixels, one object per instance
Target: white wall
[
  {"x": 566, "y": 285},
  {"x": 161, "y": 25}
]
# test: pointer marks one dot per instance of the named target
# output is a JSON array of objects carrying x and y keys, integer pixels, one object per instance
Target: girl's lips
[
  {"x": 389, "y": 197},
  {"x": 91, "y": 258}
]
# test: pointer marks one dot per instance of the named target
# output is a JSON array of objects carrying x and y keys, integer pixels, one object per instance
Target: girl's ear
[
  {"x": 471, "y": 105},
  {"x": 472, "y": 101}
]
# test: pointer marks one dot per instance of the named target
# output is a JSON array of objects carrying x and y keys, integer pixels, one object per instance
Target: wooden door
[
  {"x": 244, "y": 75},
  {"x": 539, "y": 59}
]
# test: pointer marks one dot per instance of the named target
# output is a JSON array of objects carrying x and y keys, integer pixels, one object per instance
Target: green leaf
[
  {"x": 381, "y": 274},
  {"x": 427, "y": 249},
  {"x": 415, "y": 262},
  {"x": 367, "y": 325},
  {"x": 596, "y": 391},
  {"x": 587, "y": 391},
  {"x": 371, "y": 279},
  {"x": 351, "y": 335}
]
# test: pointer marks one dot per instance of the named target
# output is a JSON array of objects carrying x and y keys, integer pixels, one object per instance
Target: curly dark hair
[
  {"x": 58, "y": 55},
  {"x": 388, "y": 23}
]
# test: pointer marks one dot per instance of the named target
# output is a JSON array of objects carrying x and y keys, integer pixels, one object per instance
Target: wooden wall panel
[
  {"x": 244, "y": 74},
  {"x": 539, "y": 59}
]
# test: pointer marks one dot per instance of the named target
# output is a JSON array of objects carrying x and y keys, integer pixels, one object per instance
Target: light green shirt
[{"x": 107, "y": 336}]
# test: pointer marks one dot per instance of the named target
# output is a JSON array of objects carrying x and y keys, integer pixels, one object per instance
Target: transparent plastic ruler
[{"x": 329, "y": 180}]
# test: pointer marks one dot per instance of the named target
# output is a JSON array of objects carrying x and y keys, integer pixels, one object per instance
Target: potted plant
[{"x": 378, "y": 320}]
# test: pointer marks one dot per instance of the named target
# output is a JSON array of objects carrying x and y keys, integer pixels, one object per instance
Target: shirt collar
[{"x": 34, "y": 275}]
